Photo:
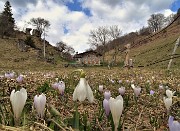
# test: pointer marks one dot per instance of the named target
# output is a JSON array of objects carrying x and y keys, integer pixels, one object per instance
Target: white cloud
[{"x": 129, "y": 15}]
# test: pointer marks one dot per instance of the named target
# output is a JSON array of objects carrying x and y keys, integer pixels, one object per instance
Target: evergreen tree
[
  {"x": 178, "y": 12},
  {"x": 7, "y": 22}
]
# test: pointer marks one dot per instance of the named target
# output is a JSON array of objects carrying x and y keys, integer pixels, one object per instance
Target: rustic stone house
[{"x": 89, "y": 58}]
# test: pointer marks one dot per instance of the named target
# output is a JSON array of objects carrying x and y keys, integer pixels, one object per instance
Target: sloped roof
[{"x": 80, "y": 55}]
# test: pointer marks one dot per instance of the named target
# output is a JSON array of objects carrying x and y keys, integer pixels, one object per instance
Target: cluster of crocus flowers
[
  {"x": 83, "y": 90},
  {"x": 168, "y": 100},
  {"x": 60, "y": 86},
  {"x": 18, "y": 100},
  {"x": 173, "y": 125},
  {"x": 39, "y": 104},
  {"x": 107, "y": 95},
  {"x": 137, "y": 90},
  {"x": 116, "y": 107}
]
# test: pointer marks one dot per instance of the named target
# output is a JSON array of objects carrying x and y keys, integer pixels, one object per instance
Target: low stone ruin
[
  {"x": 22, "y": 46},
  {"x": 28, "y": 30},
  {"x": 36, "y": 33}
]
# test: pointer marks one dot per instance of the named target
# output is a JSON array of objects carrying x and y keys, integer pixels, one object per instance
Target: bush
[{"x": 29, "y": 41}]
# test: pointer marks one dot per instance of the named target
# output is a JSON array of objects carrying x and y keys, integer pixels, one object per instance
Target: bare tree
[
  {"x": 100, "y": 37},
  {"x": 144, "y": 31},
  {"x": 169, "y": 19},
  {"x": 156, "y": 22},
  {"x": 40, "y": 24},
  {"x": 115, "y": 32},
  {"x": 65, "y": 50}
]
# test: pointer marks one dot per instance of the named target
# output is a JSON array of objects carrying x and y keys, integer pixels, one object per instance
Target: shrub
[{"x": 29, "y": 41}]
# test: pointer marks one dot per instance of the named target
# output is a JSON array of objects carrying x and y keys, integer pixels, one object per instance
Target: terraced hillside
[{"x": 155, "y": 50}]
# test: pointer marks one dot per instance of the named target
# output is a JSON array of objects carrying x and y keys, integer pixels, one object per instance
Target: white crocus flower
[
  {"x": 100, "y": 88},
  {"x": 18, "y": 100},
  {"x": 170, "y": 93},
  {"x": 168, "y": 100},
  {"x": 116, "y": 107},
  {"x": 39, "y": 104},
  {"x": 83, "y": 90}
]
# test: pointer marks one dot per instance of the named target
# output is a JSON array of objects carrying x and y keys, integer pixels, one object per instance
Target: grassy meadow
[{"x": 147, "y": 112}]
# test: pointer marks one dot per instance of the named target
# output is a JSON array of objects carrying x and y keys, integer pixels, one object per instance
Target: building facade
[{"x": 89, "y": 58}]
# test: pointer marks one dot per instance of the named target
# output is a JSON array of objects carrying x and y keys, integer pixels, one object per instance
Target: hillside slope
[
  {"x": 153, "y": 51},
  {"x": 12, "y": 58}
]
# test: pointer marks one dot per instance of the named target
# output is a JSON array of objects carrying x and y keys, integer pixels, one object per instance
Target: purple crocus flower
[
  {"x": 107, "y": 95},
  {"x": 173, "y": 125},
  {"x": 19, "y": 78},
  {"x": 151, "y": 92},
  {"x": 120, "y": 81},
  {"x": 137, "y": 90},
  {"x": 55, "y": 85},
  {"x": 122, "y": 90},
  {"x": 106, "y": 106},
  {"x": 112, "y": 81},
  {"x": 61, "y": 87},
  {"x": 9, "y": 75}
]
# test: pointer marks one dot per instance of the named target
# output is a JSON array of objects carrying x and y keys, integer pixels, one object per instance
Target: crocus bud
[
  {"x": 100, "y": 88},
  {"x": 120, "y": 81},
  {"x": 161, "y": 87},
  {"x": 137, "y": 90},
  {"x": 39, "y": 104},
  {"x": 18, "y": 100},
  {"x": 112, "y": 81},
  {"x": 116, "y": 107},
  {"x": 19, "y": 78},
  {"x": 107, "y": 95},
  {"x": 122, "y": 90},
  {"x": 173, "y": 125},
  {"x": 106, "y": 106},
  {"x": 61, "y": 87}
]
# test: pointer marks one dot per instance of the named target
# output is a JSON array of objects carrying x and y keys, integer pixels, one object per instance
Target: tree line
[{"x": 106, "y": 38}]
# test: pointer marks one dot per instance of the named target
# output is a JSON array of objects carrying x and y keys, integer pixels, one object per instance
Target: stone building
[{"x": 89, "y": 58}]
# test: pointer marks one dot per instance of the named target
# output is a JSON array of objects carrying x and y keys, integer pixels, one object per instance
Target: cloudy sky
[{"x": 72, "y": 20}]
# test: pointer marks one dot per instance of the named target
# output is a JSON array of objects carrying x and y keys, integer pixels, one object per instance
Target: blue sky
[
  {"x": 76, "y": 5},
  {"x": 175, "y": 5},
  {"x": 72, "y": 20}
]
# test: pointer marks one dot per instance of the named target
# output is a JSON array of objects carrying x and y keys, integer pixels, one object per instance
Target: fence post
[{"x": 175, "y": 47}]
